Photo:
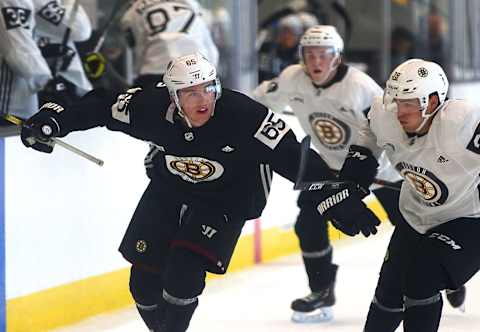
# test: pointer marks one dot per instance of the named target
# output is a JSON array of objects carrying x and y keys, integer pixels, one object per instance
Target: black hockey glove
[
  {"x": 359, "y": 167},
  {"x": 347, "y": 212},
  {"x": 38, "y": 130}
]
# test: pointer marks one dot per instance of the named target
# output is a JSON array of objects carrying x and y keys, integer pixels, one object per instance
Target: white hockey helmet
[
  {"x": 321, "y": 35},
  {"x": 190, "y": 70},
  {"x": 416, "y": 79}
]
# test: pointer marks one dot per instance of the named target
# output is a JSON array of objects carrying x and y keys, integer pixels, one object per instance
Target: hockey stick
[
  {"x": 66, "y": 36},
  {"x": 119, "y": 8},
  {"x": 332, "y": 184},
  {"x": 343, "y": 13},
  {"x": 71, "y": 148},
  {"x": 94, "y": 63}
]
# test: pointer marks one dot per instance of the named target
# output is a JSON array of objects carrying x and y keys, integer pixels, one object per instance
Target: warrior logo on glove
[{"x": 332, "y": 200}]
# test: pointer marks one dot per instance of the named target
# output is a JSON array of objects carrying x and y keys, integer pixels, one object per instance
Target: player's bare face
[
  {"x": 409, "y": 114},
  {"x": 320, "y": 63},
  {"x": 198, "y": 102}
]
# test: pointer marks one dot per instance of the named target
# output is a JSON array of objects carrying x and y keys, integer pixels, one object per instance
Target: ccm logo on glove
[
  {"x": 356, "y": 154},
  {"x": 332, "y": 200}
]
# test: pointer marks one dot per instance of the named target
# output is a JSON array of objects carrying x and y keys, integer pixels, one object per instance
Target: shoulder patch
[
  {"x": 120, "y": 109},
  {"x": 272, "y": 130},
  {"x": 474, "y": 144},
  {"x": 16, "y": 17},
  {"x": 52, "y": 12}
]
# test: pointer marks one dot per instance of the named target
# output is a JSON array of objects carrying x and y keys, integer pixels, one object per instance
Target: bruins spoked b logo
[
  {"x": 429, "y": 188},
  {"x": 422, "y": 72},
  {"x": 194, "y": 169},
  {"x": 141, "y": 246},
  {"x": 331, "y": 132}
]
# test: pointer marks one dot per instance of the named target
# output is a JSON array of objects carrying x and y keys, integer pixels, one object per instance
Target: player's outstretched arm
[{"x": 54, "y": 120}]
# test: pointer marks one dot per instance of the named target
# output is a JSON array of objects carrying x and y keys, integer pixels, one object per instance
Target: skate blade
[{"x": 320, "y": 315}]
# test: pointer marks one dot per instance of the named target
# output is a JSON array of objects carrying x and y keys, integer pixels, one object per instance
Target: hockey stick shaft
[
  {"x": 71, "y": 148},
  {"x": 334, "y": 184},
  {"x": 119, "y": 8},
  {"x": 66, "y": 37}
]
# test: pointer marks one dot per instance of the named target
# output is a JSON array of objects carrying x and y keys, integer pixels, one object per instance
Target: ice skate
[
  {"x": 456, "y": 297},
  {"x": 314, "y": 308}
]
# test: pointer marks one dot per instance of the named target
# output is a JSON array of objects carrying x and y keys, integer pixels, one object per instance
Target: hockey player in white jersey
[
  {"x": 23, "y": 70},
  {"x": 330, "y": 100},
  {"x": 52, "y": 18},
  {"x": 162, "y": 30},
  {"x": 435, "y": 145}
]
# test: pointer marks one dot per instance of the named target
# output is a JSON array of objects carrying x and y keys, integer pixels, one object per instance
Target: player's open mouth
[{"x": 202, "y": 110}]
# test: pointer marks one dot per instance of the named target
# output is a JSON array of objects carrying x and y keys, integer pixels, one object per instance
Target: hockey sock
[
  {"x": 381, "y": 318},
  {"x": 320, "y": 270},
  {"x": 146, "y": 290},
  {"x": 423, "y": 315},
  {"x": 148, "y": 314},
  {"x": 178, "y": 313}
]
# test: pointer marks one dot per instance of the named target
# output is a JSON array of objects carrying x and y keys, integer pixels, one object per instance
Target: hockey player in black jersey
[{"x": 209, "y": 148}]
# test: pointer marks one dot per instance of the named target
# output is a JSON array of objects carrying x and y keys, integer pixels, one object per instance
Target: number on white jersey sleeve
[{"x": 474, "y": 144}]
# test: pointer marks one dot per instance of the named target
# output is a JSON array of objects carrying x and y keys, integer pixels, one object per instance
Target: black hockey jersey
[{"x": 223, "y": 164}]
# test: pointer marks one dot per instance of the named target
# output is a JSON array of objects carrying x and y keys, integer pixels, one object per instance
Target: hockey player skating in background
[
  {"x": 161, "y": 30},
  {"x": 330, "y": 100},
  {"x": 435, "y": 145},
  {"x": 23, "y": 70},
  {"x": 212, "y": 149}
]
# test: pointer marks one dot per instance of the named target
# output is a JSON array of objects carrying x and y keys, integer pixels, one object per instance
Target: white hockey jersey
[
  {"x": 441, "y": 169},
  {"x": 23, "y": 70},
  {"x": 163, "y": 30},
  {"x": 52, "y": 18},
  {"x": 332, "y": 115}
]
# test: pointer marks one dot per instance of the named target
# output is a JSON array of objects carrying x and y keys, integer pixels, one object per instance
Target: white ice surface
[{"x": 258, "y": 299}]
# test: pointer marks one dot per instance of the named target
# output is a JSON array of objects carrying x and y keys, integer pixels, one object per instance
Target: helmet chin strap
[
  {"x": 184, "y": 117},
  {"x": 426, "y": 117}
]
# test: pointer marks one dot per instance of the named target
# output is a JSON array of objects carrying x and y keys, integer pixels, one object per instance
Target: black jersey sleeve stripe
[{"x": 266, "y": 176}]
